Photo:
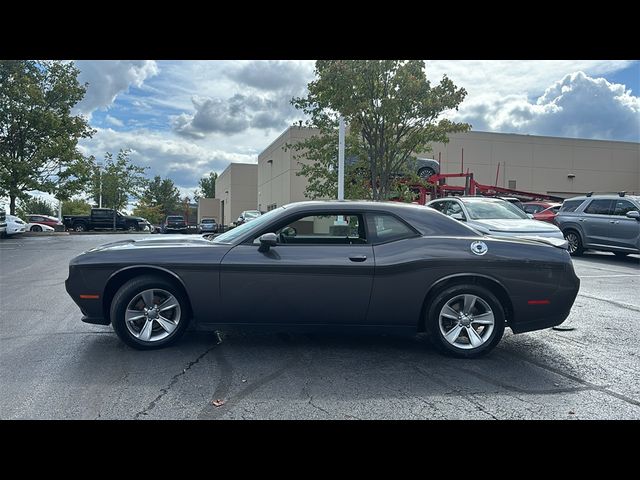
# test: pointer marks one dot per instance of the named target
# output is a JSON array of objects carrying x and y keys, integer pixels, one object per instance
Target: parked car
[
  {"x": 548, "y": 214},
  {"x": 173, "y": 224},
  {"x": 601, "y": 222},
  {"x": 3, "y": 220},
  {"x": 247, "y": 216},
  {"x": 38, "y": 227},
  {"x": 423, "y": 167},
  {"x": 333, "y": 265},
  {"x": 44, "y": 220},
  {"x": 208, "y": 225},
  {"x": 103, "y": 218},
  {"x": 494, "y": 216},
  {"x": 15, "y": 225}
]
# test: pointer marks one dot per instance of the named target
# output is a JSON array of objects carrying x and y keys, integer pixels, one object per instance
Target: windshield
[
  {"x": 236, "y": 232},
  {"x": 485, "y": 210},
  {"x": 251, "y": 214}
]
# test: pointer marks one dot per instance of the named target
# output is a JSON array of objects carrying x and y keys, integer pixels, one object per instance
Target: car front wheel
[
  {"x": 149, "y": 312},
  {"x": 36, "y": 228},
  {"x": 465, "y": 321},
  {"x": 575, "y": 244}
]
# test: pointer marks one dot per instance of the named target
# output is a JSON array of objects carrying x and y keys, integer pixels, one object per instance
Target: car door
[
  {"x": 102, "y": 218},
  {"x": 320, "y": 272},
  {"x": 624, "y": 231},
  {"x": 596, "y": 222}
]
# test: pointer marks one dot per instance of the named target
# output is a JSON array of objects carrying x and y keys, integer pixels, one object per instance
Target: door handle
[
  {"x": 581, "y": 219},
  {"x": 614, "y": 221},
  {"x": 358, "y": 258}
]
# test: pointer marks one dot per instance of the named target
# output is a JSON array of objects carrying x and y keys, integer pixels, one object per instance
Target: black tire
[
  {"x": 128, "y": 291},
  {"x": 36, "y": 228},
  {"x": 433, "y": 321},
  {"x": 575, "y": 243},
  {"x": 132, "y": 227},
  {"x": 79, "y": 227},
  {"x": 621, "y": 254},
  {"x": 426, "y": 172}
]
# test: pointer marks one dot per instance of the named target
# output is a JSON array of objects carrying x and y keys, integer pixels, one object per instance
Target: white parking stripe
[{"x": 607, "y": 276}]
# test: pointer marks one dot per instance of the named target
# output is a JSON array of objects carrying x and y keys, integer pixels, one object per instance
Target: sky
[{"x": 184, "y": 119}]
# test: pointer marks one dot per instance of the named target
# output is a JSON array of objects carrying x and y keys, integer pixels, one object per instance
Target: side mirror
[
  {"x": 267, "y": 241},
  {"x": 459, "y": 216},
  {"x": 530, "y": 215},
  {"x": 633, "y": 214}
]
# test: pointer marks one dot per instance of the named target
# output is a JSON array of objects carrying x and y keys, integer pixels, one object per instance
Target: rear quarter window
[{"x": 571, "y": 205}]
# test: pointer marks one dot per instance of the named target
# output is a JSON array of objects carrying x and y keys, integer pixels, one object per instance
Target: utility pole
[
  {"x": 99, "y": 164},
  {"x": 341, "y": 159}
]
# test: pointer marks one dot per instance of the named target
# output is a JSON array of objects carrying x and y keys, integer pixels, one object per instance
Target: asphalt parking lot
[{"x": 53, "y": 366}]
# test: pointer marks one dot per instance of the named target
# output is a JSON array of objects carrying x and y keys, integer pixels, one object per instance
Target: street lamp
[{"x": 99, "y": 165}]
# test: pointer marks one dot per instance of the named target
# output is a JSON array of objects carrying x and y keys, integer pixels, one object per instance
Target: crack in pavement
[
  {"x": 626, "y": 306},
  {"x": 172, "y": 382},
  {"x": 209, "y": 412},
  {"x": 576, "y": 379}
]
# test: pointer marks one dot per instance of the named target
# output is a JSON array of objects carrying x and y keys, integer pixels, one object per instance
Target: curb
[{"x": 43, "y": 234}]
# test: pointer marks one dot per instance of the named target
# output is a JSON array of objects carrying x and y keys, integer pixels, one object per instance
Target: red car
[
  {"x": 543, "y": 211},
  {"x": 45, "y": 220}
]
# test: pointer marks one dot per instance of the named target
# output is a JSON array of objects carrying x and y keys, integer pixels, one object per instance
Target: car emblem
[{"x": 479, "y": 248}]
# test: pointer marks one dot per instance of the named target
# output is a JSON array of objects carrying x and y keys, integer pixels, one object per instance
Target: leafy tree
[
  {"x": 161, "y": 195},
  {"x": 76, "y": 206},
  {"x": 153, "y": 213},
  {"x": 28, "y": 205},
  {"x": 207, "y": 186},
  {"x": 38, "y": 133},
  {"x": 392, "y": 113},
  {"x": 120, "y": 180}
]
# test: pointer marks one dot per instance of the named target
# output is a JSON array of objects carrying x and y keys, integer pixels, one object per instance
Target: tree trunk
[{"x": 12, "y": 204}]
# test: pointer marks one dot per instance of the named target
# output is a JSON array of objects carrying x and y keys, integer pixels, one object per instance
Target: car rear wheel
[
  {"x": 36, "y": 228},
  {"x": 149, "y": 312},
  {"x": 465, "y": 321},
  {"x": 80, "y": 227},
  {"x": 575, "y": 244},
  {"x": 426, "y": 172}
]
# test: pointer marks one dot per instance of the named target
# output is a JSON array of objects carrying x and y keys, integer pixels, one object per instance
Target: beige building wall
[
  {"x": 236, "y": 188},
  {"x": 558, "y": 166},
  {"x": 278, "y": 183},
  {"x": 209, "y": 208}
]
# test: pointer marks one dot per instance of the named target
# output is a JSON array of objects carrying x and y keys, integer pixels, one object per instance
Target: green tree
[
  {"x": 38, "y": 132},
  {"x": 207, "y": 186},
  {"x": 28, "y": 205},
  {"x": 392, "y": 112},
  {"x": 160, "y": 194},
  {"x": 153, "y": 213},
  {"x": 76, "y": 206},
  {"x": 120, "y": 180}
]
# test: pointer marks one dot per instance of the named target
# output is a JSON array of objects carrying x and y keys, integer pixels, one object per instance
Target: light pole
[{"x": 99, "y": 164}]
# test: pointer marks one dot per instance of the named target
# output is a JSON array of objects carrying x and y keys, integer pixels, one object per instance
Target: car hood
[
  {"x": 154, "y": 242},
  {"x": 516, "y": 225}
]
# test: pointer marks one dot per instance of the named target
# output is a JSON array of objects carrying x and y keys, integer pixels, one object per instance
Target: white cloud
[
  {"x": 576, "y": 106},
  {"x": 166, "y": 154},
  {"x": 114, "y": 121},
  {"x": 108, "y": 78}
]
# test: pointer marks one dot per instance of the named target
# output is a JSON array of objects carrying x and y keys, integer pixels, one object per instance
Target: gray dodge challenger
[{"x": 330, "y": 265}]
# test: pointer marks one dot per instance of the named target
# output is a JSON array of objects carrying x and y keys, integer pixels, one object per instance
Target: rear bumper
[{"x": 530, "y": 315}]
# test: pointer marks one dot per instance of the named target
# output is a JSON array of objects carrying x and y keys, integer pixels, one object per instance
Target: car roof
[{"x": 609, "y": 196}]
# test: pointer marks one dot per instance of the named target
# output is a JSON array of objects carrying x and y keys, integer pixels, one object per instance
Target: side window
[
  {"x": 570, "y": 205},
  {"x": 621, "y": 207},
  {"x": 599, "y": 207},
  {"x": 329, "y": 229},
  {"x": 455, "y": 209},
  {"x": 532, "y": 208},
  {"x": 388, "y": 228},
  {"x": 440, "y": 206}
]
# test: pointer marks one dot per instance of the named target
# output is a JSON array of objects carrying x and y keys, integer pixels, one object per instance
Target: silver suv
[{"x": 601, "y": 222}]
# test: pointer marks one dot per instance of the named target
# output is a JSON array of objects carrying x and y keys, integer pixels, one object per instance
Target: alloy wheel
[
  {"x": 152, "y": 315},
  {"x": 466, "y": 321}
]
